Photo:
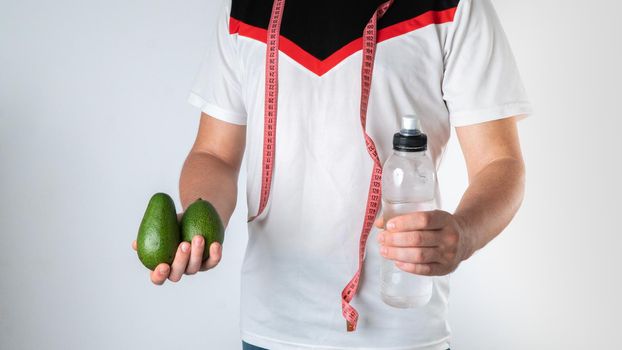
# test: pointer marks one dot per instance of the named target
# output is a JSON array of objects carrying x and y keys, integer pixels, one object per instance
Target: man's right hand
[
  {"x": 188, "y": 261},
  {"x": 214, "y": 163}
]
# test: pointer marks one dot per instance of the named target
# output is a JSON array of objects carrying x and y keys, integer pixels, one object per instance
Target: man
[{"x": 446, "y": 60}]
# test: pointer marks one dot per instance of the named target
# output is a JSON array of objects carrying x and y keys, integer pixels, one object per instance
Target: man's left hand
[{"x": 431, "y": 243}]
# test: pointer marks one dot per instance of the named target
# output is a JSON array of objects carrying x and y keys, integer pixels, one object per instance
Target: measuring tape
[
  {"x": 270, "y": 103},
  {"x": 269, "y": 140}
]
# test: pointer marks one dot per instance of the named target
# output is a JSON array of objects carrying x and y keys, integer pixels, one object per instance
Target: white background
[{"x": 94, "y": 119}]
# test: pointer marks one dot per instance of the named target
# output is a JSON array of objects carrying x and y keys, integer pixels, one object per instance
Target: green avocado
[
  {"x": 201, "y": 218},
  {"x": 158, "y": 235}
]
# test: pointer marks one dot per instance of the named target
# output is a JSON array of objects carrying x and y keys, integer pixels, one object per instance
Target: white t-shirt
[{"x": 448, "y": 61}]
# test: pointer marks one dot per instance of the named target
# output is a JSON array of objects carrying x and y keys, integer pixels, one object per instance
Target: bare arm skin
[
  {"x": 212, "y": 166},
  {"x": 210, "y": 172},
  {"x": 436, "y": 242},
  {"x": 496, "y": 179}
]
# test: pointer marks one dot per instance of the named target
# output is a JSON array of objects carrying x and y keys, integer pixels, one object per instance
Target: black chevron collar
[{"x": 321, "y": 33}]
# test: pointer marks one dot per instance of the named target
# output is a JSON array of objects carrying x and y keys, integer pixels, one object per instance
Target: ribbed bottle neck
[{"x": 413, "y": 155}]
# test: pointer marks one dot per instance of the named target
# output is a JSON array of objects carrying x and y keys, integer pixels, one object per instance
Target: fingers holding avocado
[
  {"x": 171, "y": 244},
  {"x": 201, "y": 219}
]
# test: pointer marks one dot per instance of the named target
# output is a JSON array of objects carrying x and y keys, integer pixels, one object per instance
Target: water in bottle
[{"x": 408, "y": 185}]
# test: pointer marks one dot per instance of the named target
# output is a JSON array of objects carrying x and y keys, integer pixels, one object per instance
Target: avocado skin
[
  {"x": 201, "y": 218},
  {"x": 158, "y": 235}
]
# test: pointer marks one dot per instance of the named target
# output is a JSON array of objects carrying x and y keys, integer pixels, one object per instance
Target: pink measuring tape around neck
[{"x": 269, "y": 140}]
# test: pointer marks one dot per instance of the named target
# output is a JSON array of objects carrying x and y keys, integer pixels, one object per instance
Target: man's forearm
[
  {"x": 208, "y": 177},
  {"x": 491, "y": 201}
]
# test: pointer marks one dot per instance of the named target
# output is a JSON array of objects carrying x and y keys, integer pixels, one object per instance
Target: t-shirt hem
[
  {"x": 275, "y": 344},
  {"x": 216, "y": 111},
  {"x": 520, "y": 109}
]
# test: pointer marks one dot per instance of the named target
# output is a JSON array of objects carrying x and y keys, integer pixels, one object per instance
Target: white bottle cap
[
  {"x": 410, "y": 125},
  {"x": 410, "y": 122}
]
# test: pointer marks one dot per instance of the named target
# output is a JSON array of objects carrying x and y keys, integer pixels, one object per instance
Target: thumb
[{"x": 379, "y": 223}]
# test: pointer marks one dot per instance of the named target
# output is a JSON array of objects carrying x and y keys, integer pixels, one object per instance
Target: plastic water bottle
[{"x": 408, "y": 185}]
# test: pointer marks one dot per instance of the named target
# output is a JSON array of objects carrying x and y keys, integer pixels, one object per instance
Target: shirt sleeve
[
  {"x": 217, "y": 87},
  {"x": 481, "y": 80}
]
